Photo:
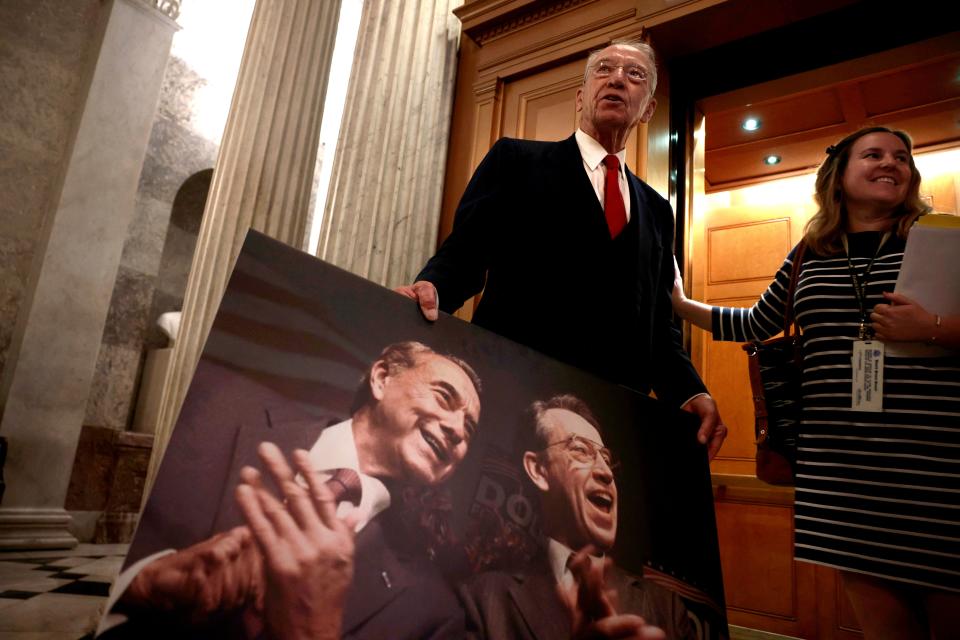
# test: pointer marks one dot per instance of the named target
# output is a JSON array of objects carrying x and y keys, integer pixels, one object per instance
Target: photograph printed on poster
[{"x": 341, "y": 463}]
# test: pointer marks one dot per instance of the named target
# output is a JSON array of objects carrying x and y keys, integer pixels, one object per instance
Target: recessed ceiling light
[
  {"x": 750, "y": 124},
  {"x": 771, "y": 159}
]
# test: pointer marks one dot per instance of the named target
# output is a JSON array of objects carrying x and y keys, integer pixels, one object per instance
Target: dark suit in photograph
[
  {"x": 531, "y": 233},
  {"x": 524, "y": 605},
  {"x": 397, "y": 592}
]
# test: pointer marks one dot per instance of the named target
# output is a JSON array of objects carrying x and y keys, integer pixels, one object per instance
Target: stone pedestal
[
  {"x": 106, "y": 485},
  {"x": 151, "y": 390},
  {"x": 119, "y": 519},
  {"x": 54, "y": 346},
  {"x": 383, "y": 208},
  {"x": 264, "y": 171}
]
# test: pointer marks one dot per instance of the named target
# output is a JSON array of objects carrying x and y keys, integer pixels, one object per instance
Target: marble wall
[
  {"x": 158, "y": 250},
  {"x": 45, "y": 65}
]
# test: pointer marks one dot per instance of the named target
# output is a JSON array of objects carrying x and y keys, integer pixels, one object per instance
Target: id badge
[{"x": 867, "y": 375}]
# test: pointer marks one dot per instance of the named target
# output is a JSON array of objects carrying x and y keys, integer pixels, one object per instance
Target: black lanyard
[{"x": 860, "y": 285}]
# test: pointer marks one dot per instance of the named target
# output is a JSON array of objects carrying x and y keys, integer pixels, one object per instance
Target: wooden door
[
  {"x": 736, "y": 243},
  {"x": 738, "y": 251}
]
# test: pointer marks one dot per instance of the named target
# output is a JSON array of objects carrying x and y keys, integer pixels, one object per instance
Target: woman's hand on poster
[
  {"x": 218, "y": 575},
  {"x": 426, "y": 296},
  {"x": 307, "y": 550},
  {"x": 592, "y": 606},
  {"x": 902, "y": 320}
]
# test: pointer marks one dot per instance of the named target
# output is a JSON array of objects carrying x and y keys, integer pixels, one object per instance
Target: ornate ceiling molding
[{"x": 486, "y": 21}]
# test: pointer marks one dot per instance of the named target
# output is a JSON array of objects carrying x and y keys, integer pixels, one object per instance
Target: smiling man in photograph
[
  {"x": 572, "y": 589},
  {"x": 327, "y": 552},
  {"x": 572, "y": 251}
]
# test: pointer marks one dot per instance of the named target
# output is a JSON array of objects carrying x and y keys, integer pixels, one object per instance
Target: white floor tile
[
  {"x": 100, "y": 550},
  {"x": 108, "y": 567},
  {"x": 17, "y": 571},
  {"x": 6, "y": 603},
  {"x": 70, "y": 562},
  {"x": 38, "y": 583},
  {"x": 53, "y": 612}
]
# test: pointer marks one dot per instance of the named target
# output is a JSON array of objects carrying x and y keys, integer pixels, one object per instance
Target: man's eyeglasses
[
  {"x": 635, "y": 73},
  {"x": 585, "y": 451}
]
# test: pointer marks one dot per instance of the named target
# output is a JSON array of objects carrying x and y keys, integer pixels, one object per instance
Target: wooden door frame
[{"x": 853, "y": 31}]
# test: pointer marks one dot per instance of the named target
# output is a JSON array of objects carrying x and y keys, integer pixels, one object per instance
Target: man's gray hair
[
  {"x": 405, "y": 355},
  {"x": 633, "y": 43}
]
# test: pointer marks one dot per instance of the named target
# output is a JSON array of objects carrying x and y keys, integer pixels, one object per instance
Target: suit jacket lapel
[
  {"x": 579, "y": 199},
  {"x": 649, "y": 245},
  {"x": 535, "y": 595}
]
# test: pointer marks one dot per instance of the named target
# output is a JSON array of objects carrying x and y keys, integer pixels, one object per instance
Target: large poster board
[{"x": 291, "y": 345}]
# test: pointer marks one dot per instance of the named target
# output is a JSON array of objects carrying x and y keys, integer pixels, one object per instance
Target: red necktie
[
  {"x": 613, "y": 208},
  {"x": 345, "y": 486}
]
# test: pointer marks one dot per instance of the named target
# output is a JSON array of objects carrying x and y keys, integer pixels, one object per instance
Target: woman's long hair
[{"x": 824, "y": 229}]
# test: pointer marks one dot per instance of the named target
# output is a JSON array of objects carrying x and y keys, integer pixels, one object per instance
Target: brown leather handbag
[{"x": 776, "y": 366}]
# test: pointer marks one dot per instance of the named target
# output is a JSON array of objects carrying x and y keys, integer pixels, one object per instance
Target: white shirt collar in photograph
[
  {"x": 337, "y": 449},
  {"x": 559, "y": 555}
]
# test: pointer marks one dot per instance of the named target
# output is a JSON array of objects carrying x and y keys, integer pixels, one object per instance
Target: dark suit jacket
[
  {"x": 523, "y": 605},
  {"x": 529, "y": 228},
  {"x": 396, "y": 592}
]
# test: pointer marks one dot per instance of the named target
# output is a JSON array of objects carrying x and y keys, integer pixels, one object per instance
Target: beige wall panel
[
  {"x": 542, "y": 106},
  {"x": 941, "y": 193},
  {"x": 763, "y": 580},
  {"x": 547, "y": 117},
  {"x": 725, "y": 371},
  {"x": 837, "y": 620},
  {"x": 486, "y": 113},
  {"x": 846, "y": 618},
  {"x": 750, "y": 251}
]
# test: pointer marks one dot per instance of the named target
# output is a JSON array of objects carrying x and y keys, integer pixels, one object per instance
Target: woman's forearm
[
  {"x": 690, "y": 310},
  {"x": 694, "y": 312}
]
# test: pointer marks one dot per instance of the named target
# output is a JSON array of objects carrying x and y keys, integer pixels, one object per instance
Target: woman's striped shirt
[{"x": 877, "y": 493}]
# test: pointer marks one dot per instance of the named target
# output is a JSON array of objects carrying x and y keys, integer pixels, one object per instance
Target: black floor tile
[
  {"x": 18, "y": 595},
  {"x": 84, "y": 588}
]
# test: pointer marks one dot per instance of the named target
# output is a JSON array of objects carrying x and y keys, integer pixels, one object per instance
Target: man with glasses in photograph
[
  {"x": 571, "y": 589},
  {"x": 572, "y": 251}
]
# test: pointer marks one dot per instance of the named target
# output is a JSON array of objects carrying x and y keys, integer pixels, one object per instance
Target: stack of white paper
[{"x": 930, "y": 275}]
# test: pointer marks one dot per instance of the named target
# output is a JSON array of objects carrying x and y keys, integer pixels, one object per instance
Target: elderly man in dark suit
[
  {"x": 572, "y": 251},
  {"x": 304, "y": 563},
  {"x": 570, "y": 590}
]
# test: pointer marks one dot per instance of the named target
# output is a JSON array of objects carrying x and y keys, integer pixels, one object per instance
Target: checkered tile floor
[{"x": 56, "y": 594}]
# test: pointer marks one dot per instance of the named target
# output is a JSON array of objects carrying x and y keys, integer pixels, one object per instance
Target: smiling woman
[
  {"x": 874, "y": 490},
  {"x": 876, "y": 180}
]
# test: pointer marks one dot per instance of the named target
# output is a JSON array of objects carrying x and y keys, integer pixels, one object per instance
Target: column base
[{"x": 35, "y": 528}]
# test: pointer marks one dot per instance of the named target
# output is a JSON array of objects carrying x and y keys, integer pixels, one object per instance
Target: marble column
[
  {"x": 55, "y": 342},
  {"x": 383, "y": 205},
  {"x": 263, "y": 174}
]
